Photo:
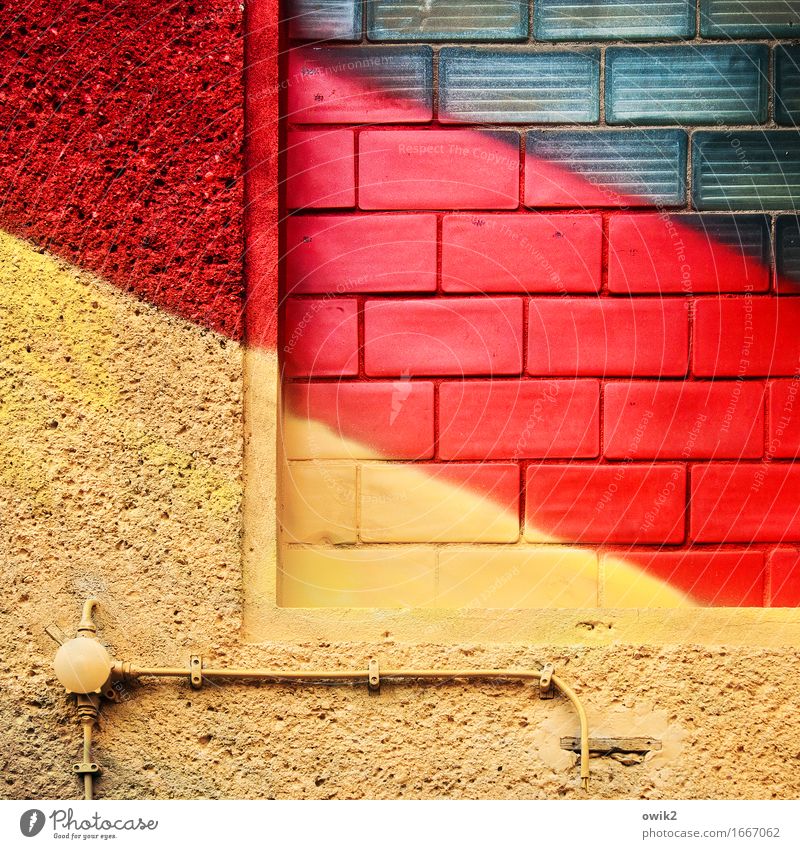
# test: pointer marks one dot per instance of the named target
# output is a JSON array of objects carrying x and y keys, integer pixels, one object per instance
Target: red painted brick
[
  {"x": 320, "y": 169},
  {"x": 481, "y": 336},
  {"x": 607, "y": 337},
  {"x": 745, "y": 502},
  {"x": 360, "y": 253},
  {"x": 605, "y": 504},
  {"x": 496, "y": 481},
  {"x": 509, "y": 419},
  {"x": 655, "y": 254},
  {"x": 598, "y": 167},
  {"x": 394, "y": 420},
  {"x": 711, "y": 578},
  {"x": 351, "y": 85},
  {"x": 320, "y": 338},
  {"x": 438, "y": 169},
  {"x": 673, "y": 421},
  {"x": 783, "y": 405},
  {"x": 521, "y": 253},
  {"x": 747, "y": 336},
  {"x": 783, "y": 569}
]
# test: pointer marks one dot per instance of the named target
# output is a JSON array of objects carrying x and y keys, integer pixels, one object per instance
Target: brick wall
[{"x": 536, "y": 351}]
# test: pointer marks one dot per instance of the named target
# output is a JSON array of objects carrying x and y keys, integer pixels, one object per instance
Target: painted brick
[
  {"x": 740, "y": 337},
  {"x": 783, "y": 565},
  {"x": 374, "y": 420},
  {"x": 320, "y": 169},
  {"x": 447, "y": 20},
  {"x": 684, "y": 254},
  {"x": 568, "y": 20},
  {"x": 709, "y": 578},
  {"x": 437, "y": 503},
  {"x": 683, "y": 421},
  {"x": 605, "y": 504},
  {"x": 360, "y": 84},
  {"x": 787, "y": 254},
  {"x": 787, "y": 84},
  {"x": 565, "y": 168},
  {"x": 604, "y": 337},
  {"x": 439, "y": 169},
  {"x": 745, "y": 502},
  {"x": 747, "y": 170},
  {"x": 761, "y": 18},
  {"x": 360, "y": 253},
  {"x": 481, "y": 336},
  {"x": 318, "y": 503},
  {"x": 509, "y": 419},
  {"x": 700, "y": 84},
  {"x": 329, "y": 20},
  {"x": 381, "y": 576},
  {"x": 534, "y": 252},
  {"x": 320, "y": 338},
  {"x": 783, "y": 417},
  {"x": 509, "y": 577},
  {"x": 530, "y": 87}
]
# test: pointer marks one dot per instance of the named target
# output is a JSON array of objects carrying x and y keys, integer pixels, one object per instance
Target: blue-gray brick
[
  {"x": 747, "y": 234},
  {"x": 787, "y": 84},
  {"x": 447, "y": 20},
  {"x": 493, "y": 86},
  {"x": 605, "y": 168},
  {"x": 738, "y": 169},
  {"x": 747, "y": 18},
  {"x": 335, "y": 20},
  {"x": 363, "y": 84},
  {"x": 567, "y": 20},
  {"x": 787, "y": 247},
  {"x": 711, "y": 84}
]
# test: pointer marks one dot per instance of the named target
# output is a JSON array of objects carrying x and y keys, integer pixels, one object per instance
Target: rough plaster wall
[
  {"x": 134, "y": 497},
  {"x": 119, "y": 478},
  {"x": 122, "y": 137}
]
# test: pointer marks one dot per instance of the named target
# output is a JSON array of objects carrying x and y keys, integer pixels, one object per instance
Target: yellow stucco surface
[{"x": 122, "y": 478}]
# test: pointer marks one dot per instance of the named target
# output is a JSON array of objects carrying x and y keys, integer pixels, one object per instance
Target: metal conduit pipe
[
  {"x": 88, "y": 724},
  {"x": 112, "y": 672},
  {"x": 315, "y": 675}
]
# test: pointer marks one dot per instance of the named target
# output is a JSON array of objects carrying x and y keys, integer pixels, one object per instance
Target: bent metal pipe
[{"x": 372, "y": 676}]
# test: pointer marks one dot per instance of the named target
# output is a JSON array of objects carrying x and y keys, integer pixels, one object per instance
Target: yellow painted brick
[
  {"x": 624, "y": 584},
  {"x": 400, "y": 503},
  {"x": 304, "y": 438},
  {"x": 517, "y": 577},
  {"x": 375, "y": 576},
  {"x": 318, "y": 503}
]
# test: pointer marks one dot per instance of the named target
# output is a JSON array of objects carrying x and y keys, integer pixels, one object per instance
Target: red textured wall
[{"x": 122, "y": 141}]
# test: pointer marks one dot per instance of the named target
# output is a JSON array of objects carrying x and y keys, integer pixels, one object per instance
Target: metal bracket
[
  {"x": 110, "y": 692},
  {"x": 374, "y": 677},
  {"x": 546, "y": 682},
  {"x": 86, "y": 768},
  {"x": 614, "y": 745},
  {"x": 56, "y": 634},
  {"x": 196, "y": 671}
]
